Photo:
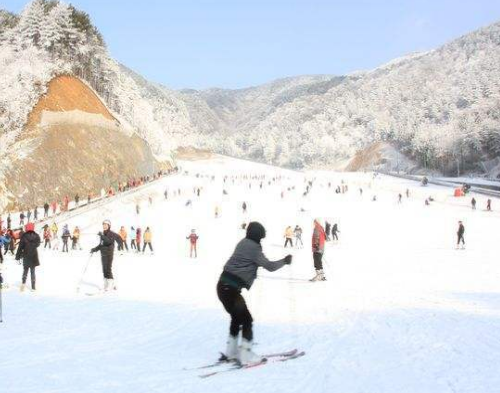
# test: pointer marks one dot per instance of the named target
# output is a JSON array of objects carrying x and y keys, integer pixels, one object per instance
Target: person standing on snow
[
  {"x": 27, "y": 250},
  {"x": 132, "y": 234},
  {"x": 76, "y": 239},
  {"x": 193, "y": 240},
  {"x": 298, "y": 236},
  {"x": 460, "y": 234},
  {"x": 328, "y": 226},
  {"x": 47, "y": 236},
  {"x": 473, "y": 203},
  {"x": 123, "y": 235},
  {"x": 488, "y": 205},
  {"x": 65, "y": 237},
  {"x": 138, "y": 238},
  {"x": 288, "y": 236},
  {"x": 335, "y": 230},
  {"x": 107, "y": 246},
  {"x": 318, "y": 248},
  {"x": 148, "y": 237},
  {"x": 239, "y": 272}
]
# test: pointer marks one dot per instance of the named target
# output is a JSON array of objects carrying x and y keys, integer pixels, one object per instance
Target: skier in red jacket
[
  {"x": 318, "y": 248},
  {"x": 193, "y": 239}
]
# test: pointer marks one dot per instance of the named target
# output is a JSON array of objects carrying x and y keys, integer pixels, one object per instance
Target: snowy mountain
[{"x": 439, "y": 107}]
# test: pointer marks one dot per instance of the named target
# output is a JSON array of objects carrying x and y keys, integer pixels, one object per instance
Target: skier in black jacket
[
  {"x": 27, "y": 250},
  {"x": 106, "y": 247},
  {"x": 240, "y": 272}
]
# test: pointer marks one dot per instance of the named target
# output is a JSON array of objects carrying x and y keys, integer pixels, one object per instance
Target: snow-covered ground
[{"x": 402, "y": 310}]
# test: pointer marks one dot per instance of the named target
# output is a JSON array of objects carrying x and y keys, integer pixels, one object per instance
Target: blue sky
[{"x": 233, "y": 43}]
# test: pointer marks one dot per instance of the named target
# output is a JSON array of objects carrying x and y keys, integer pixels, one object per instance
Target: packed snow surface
[{"x": 402, "y": 310}]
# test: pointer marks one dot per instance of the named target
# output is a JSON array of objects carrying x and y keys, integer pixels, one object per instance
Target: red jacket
[
  {"x": 318, "y": 239},
  {"x": 193, "y": 238}
]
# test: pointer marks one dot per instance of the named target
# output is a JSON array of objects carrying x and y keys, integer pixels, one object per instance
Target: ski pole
[{"x": 83, "y": 274}]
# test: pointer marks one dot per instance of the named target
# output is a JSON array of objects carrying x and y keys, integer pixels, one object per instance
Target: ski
[
  {"x": 224, "y": 360},
  {"x": 236, "y": 366}
]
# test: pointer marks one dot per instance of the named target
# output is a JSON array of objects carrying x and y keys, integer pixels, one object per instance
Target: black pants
[
  {"x": 107, "y": 266},
  {"x": 235, "y": 305},
  {"x": 318, "y": 263},
  {"x": 288, "y": 240},
  {"x": 132, "y": 245},
  {"x": 334, "y": 236},
  {"x": 460, "y": 239},
  {"x": 65, "y": 245},
  {"x": 147, "y": 244},
  {"x": 33, "y": 276},
  {"x": 47, "y": 242}
]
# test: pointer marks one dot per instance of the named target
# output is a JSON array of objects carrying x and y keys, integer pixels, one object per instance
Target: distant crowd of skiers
[{"x": 55, "y": 207}]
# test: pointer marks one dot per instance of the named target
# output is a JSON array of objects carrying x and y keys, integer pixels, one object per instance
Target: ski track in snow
[{"x": 402, "y": 310}]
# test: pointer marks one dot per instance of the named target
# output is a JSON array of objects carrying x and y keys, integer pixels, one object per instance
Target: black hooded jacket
[{"x": 240, "y": 270}]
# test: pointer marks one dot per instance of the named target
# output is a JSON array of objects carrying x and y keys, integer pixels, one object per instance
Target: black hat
[{"x": 256, "y": 231}]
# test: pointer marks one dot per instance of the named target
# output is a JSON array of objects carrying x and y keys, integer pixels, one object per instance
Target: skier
[
  {"x": 193, "y": 240},
  {"x": 400, "y": 198},
  {"x": 132, "y": 233},
  {"x": 244, "y": 207},
  {"x": 107, "y": 246},
  {"x": 21, "y": 219},
  {"x": 138, "y": 238},
  {"x": 473, "y": 203},
  {"x": 46, "y": 210},
  {"x": 9, "y": 221},
  {"x": 65, "y": 237},
  {"x": 216, "y": 211},
  {"x": 35, "y": 214},
  {"x": 5, "y": 240},
  {"x": 328, "y": 227},
  {"x": 240, "y": 272},
  {"x": 27, "y": 250},
  {"x": 318, "y": 248},
  {"x": 460, "y": 234},
  {"x": 123, "y": 235},
  {"x": 47, "y": 236},
  {"x": 288, "y": 236},
  {"x": 147, "y": 240},
  {"x": 76, "y": 239},
  {"x": 488, "y": 205},
  {"x": 54, "y": 229},
  {"x": 335, "y": 230},
  {"x": 298, "y": 236}
]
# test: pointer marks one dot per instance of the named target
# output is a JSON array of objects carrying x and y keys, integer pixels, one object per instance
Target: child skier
[{"x": 240, "y": 272}]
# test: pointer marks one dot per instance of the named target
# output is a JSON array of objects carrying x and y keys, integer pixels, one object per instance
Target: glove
[
  {"x": 99, "y": 234},
  {"x": 93, "y": 250},
  {"x": 288, "y": 260}
]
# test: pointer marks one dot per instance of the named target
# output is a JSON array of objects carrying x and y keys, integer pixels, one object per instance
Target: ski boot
[
  {"x": 320, "y": 276},
  {"x": 247, "y": 356},
  {"x": 231, "y": 352}
]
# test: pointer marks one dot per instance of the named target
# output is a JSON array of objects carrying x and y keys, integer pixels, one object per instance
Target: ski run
[{"x": 401, "y": 310}]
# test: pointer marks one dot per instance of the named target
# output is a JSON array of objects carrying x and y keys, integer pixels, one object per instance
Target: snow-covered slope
[{"x": 402, "y": 310}]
